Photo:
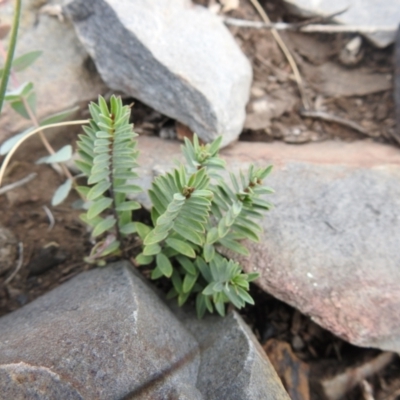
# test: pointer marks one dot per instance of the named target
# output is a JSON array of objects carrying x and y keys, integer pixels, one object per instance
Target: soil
[{"x": 54, "y": 253}]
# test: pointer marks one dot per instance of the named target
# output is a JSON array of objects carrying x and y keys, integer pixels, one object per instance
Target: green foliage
[
  {"x": 107, "y": 158},
  {"x": 197, "y": 217}
]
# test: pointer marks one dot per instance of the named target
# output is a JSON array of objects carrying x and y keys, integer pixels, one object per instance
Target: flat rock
[
  {"x": 63, "y": 75},
  {"x": 369, "y": 13},
  {"x": 175, "y": 57},
  {"x": 103, "y": 335},
  {"x": 233, "y": 364},
  {"x": 330, "y": 246}
]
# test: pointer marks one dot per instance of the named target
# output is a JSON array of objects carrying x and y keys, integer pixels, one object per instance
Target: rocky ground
[{"x": 325, "y": 324}]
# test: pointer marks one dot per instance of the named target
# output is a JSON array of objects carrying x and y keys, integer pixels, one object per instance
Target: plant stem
[
  {"x": 43, "y": 138},
  {"x": 28, "y": 135},
  {"x": 112, "y": 193},
  {"x": 10, "y": 52}
]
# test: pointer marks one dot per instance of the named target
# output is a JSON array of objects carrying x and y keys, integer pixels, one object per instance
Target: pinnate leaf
[
  {"x": 61, "y": 193},
  {"x": 182, "y": 247},
  {"x": 98, "y": 206},
  {"x": 164, "y": 265},
  {"x": 25, "y": 60},
  {"x": 103, "y": 226},
  {"x": 62, "y": 155}
]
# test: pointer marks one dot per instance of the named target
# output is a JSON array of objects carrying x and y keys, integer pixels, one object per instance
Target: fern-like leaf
[{"x": 108, "y": 157}]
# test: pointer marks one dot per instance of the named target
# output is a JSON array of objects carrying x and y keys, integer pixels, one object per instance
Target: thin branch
[
  {"x": 286, "y": 52},
  {"x": 19, "y": 264},
  {"x": 333, "y": 118},
  {"x": 31, "y": 133},
  {"x": 322, "y": 28},
  {"x": 19, "y": 183}
]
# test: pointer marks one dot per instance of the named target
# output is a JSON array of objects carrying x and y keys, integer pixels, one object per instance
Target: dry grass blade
[
  {"x": 19, "y": 264},
  {"x": 286, "y": 52},
  {"x": 31, "y": 133},
  {"x": 50, "y": 216},
  {"x": 19, "y": 183}
]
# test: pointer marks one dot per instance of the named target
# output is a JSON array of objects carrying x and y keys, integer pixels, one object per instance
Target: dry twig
[
  {"x": 19, "y": 183},
  {"x": 321, "y": 28},
  {"x": 19, "y": 264},
  {"x": 333, "y": 118},
  {"x": 286, "y": 52}
]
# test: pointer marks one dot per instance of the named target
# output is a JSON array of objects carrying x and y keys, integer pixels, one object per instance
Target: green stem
[{"x": 10, "y": 52}]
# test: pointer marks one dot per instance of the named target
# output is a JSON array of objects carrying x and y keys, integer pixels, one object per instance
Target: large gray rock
[
  {"x": 103, "y": 335},
  {"x": 106, "y": 335},
  {"x": 176, "y": 57},
  {"x": 63, "y": 75},
  {"x": 330, "y": 246},
  {"x": 368, "y": 13}
]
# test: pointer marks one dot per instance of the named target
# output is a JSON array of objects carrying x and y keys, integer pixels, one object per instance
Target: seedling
[{"x": 196, "y": 216}]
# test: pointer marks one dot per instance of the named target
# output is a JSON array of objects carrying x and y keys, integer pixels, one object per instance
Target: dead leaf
[
  {"x": 312, "y": 49},
  {"x": 332, "y": 80},
  {"x": 183, "y": 131},
  {"x": 292, "y": 371}
]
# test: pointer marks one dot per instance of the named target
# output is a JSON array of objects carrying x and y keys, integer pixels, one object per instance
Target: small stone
[
  {"x": 297, "y": 343},
  {"x": 174, "y": 56}
]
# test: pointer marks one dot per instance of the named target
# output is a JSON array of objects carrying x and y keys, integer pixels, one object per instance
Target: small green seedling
[{"x": 196, "y": 216}]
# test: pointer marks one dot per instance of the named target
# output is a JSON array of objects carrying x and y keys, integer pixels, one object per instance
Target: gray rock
[
  {"x": 176, "y": 57},
  {"x": 369, "y": 13},
  {"x": 233, "y": 364},
  {"x": 8, "y": 250},
  {"x": 103, "y": 335},
  {"x": 330, "y": 246},
  {"x": 24, "y": 381},
  {"x": 63, "y": 75},
  {"x": 106, "y": 335}
]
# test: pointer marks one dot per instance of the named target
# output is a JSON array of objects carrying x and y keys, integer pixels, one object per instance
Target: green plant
[
  {"x": 197, "y": 217},
  {"x": 107, "y": 157},
  {"x": 10, "y": 55}
]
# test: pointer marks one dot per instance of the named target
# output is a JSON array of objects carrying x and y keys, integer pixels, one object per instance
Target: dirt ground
[{"x": 305, "y": 356}]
